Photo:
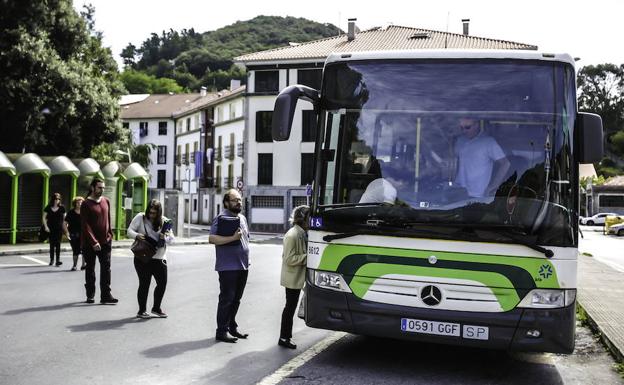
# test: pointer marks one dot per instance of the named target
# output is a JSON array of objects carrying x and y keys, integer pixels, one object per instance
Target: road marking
[
  {"x": 301, "y": 359},
  {"x": 3, "y": 265},
  {"x": 33, "y": 259}
]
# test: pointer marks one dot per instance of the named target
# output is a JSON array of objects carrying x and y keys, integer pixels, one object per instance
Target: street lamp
[
  {"x": 44, "y": 111},
  {"x": 127, "y": 153}
]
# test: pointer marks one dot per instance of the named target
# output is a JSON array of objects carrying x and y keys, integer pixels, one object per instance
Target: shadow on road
[
  {"x": 44, "y": 308},
  {"x": 401, "y": 362},
  {"x": 48, "y": 271},
  {"x": 171, "y": 350},
  {"x": 105, "y": 325}
]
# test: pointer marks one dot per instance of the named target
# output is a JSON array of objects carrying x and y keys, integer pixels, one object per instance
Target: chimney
[
  {"x": 466, "y": 22},
  {"x": 234, "y": 84},
  {"x": 202, "y": 92},
  {"x": 351, "y": 30}
]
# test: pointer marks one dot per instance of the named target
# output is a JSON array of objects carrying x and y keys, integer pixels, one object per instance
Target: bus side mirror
[
  {"x": 284, "y": 110},
  {"x": 589, "y": 129}
]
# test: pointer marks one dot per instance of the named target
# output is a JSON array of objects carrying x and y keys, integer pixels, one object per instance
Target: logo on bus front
[{"x": 545, "y": 271}]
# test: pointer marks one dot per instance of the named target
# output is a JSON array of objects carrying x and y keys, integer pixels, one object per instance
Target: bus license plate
[{"x": 430, "y": 327}]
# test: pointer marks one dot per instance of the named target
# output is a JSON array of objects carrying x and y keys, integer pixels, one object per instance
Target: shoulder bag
[{"x": 142, "y": 249}]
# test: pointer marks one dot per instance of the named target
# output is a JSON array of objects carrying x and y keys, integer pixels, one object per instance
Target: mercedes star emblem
[
  {"x": 433, "y": 259},
  {"x": 431, "y": 295}
]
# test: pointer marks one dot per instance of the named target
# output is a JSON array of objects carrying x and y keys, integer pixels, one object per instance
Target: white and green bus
[{"x": 422, "y": 232}]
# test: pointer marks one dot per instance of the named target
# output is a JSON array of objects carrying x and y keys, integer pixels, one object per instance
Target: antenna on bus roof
[{"x": 448, "y": 14}]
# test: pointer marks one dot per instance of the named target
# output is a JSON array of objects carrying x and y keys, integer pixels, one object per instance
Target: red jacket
[{"x": 95, "y": 223}]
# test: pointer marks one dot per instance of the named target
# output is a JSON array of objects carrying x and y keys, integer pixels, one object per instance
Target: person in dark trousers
[
  {"x": 156, "y": 228},
  {"x": 72, "y": 219},
  {"x": 294, "y": 258},
  {"x": 232, "y": 265},
  {"x": 53, "y": 223},
  {"x": 97, "y": 237}
]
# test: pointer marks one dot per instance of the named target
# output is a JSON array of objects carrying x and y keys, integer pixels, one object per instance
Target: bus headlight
[
  {"x": 331, "y": 281},
  {"x": 548, "y": 298}
]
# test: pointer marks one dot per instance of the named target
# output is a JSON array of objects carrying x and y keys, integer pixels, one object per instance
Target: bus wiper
[
  {"x": 516, "y": 237},
  {"x": 375, "y": 226}
]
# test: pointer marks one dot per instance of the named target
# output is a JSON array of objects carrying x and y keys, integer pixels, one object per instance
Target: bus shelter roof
[
  {"x": 61, "y": 165},
  {"x": 6, "y": 165},
  {"x": 134, "y": 171},
  {"x": 112, "y": 169},
  {"x": 89, "y": 167},
  {"x": 31, "y": 164}
]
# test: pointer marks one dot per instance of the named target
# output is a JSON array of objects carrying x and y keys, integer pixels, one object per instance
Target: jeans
[
  {"x": 55, "y": 248},
  {"x": 232, "y": 285},
  {"x": 145, "y": 271},
  {"x": 292, "y": 298},
  {"x": 104, "y": 256}
]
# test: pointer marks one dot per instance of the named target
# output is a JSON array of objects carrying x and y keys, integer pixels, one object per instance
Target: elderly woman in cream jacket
[{"x": 294, "y": 258}]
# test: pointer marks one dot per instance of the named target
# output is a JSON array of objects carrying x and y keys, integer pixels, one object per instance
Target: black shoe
[
  {"x": 51, "y": 263},
  {"x": 143, "y": 314},
  {"x": 286, "y": 343},
  {"x": 159, "y": 313},
  {"x": 109, "y": 300},
  {"x": 83, "y": 267},
  {"x": 90, "y": 300},
  {"x": 238, "y": 334},
  {"x": 58, "y": 263},
  {"x": 225, "y": 338},
  {"x": 73, "y": 268}
]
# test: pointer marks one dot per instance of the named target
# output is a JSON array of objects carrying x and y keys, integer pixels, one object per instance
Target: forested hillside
[{"x": 193, "y": 59}]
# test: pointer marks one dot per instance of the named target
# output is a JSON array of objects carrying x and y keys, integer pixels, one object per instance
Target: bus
[{"x": 445, "y": 199}]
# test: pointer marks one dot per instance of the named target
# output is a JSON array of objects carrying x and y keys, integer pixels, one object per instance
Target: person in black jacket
[
  {"x": 54, "y": 224},
  {"x": 72, "y": 219}
]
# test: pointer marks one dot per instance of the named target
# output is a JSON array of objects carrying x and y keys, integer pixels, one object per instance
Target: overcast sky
[{"x": 591, "y": 30}]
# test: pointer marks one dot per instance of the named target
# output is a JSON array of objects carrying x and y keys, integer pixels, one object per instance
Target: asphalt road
[
  {"x": 49, "y": 336},
  {"x": 605, "y": 248}
]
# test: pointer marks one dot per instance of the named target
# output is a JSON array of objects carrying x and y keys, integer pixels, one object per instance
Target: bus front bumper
[{"x": 511, "y": 330}]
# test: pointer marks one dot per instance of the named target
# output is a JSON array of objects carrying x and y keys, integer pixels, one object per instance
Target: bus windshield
[{"x": 463, "y": 142}]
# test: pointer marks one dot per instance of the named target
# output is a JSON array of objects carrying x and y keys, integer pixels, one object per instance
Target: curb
[
  {"x": 116, "y": 245},
  {"x": 617, "y": 354}
]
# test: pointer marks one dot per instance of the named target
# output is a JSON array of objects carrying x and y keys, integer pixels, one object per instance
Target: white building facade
[
  {"x": 151, "y": 121},
  {"x": 209, "y": 151}
]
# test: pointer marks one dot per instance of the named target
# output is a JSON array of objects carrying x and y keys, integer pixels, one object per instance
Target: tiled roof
[
  {"x": 158, "y": 106},
  {"x": 208, "y": 100},
  {"x": 390, "y": 38}
]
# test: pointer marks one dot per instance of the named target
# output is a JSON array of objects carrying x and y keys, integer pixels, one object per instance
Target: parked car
[
  {"x": 598, "y": 219},
  {"x": 616, "y": 229}
]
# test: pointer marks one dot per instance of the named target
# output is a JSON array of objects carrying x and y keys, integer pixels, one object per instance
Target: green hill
[{"x": 195, "y": 59}]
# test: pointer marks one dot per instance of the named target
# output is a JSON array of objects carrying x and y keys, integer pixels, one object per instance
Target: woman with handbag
[
  {"x": 54, "y": 224},
  {"x": 294, "y": 259},
  {"x": 152, "y": 232}
]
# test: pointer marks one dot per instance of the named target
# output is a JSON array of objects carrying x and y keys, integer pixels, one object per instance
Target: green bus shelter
[
  {"x": 32, "y": 194},
  {"x": 114, "y": 191},
  {"x": 8, "y": 192},
  {"x": 136, "y": 190},
  {"x": 63, "y": 179}
]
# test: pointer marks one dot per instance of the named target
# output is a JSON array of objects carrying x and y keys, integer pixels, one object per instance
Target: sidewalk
[
  {"x": 601, "y": 295},
  {"x": 39, "y": 248}
]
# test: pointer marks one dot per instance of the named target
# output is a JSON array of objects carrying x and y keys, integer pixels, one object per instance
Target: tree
[
  {"x": 601, "y": 90},
  {"x": 137, "y": 82},
  {"x": 52, "y": 60},
  {"x": 107, "y": 152}
]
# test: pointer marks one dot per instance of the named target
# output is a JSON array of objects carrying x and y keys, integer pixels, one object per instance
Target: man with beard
[
  {"x": 230, "y": 235},
  {"x": 96, "y": 240}
]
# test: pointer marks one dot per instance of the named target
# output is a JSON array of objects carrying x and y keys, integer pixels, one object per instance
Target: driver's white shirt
[
  {"x": 476, "y": 161},
  {"x": 379, "y": 191}
]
